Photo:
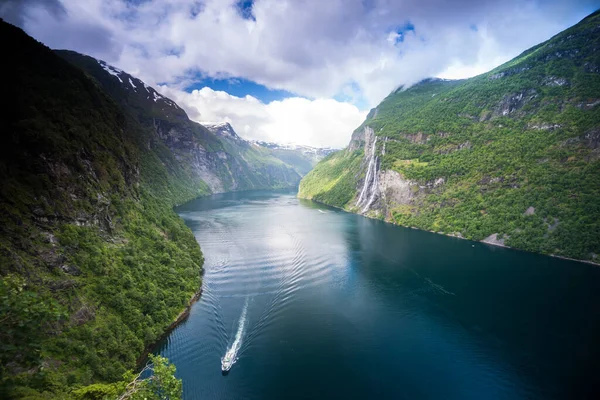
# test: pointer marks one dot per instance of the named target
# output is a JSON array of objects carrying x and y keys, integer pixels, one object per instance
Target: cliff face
[
  {"x": 215, "y": 156},
  {"x": 509, "y": 157}
]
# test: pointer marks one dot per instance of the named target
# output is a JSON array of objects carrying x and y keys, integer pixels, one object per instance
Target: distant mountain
[
  {"x": 302, "y": 158},
  {"x": 223, "y": 129},
  {"x": 510, "y": 157},
  {"x": 224, "y": 163}
]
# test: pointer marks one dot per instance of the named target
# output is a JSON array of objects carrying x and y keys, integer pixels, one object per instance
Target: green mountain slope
[
  {"x": 258, "y": 168},
  {"x": 95, "y": 265},
  {"x": 510, "y": 157},
  {"x": 190, "y": 151}
]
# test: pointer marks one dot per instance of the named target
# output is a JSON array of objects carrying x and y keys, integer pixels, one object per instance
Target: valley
[{"x": 144, "y": 254}]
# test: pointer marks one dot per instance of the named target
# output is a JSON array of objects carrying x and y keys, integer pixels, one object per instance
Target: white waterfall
[
  {"x": 368, "y": 175},
  {"x": 369, "y": 190},
  {"x": 374, "y": 187}
]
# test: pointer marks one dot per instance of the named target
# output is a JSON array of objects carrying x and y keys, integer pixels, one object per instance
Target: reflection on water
[{"x": 339, "y": 306}]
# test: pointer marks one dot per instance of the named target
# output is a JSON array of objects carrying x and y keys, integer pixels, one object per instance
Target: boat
[
  {"x": 231, "y": 354},
  {"x": 227, "y": 361}
]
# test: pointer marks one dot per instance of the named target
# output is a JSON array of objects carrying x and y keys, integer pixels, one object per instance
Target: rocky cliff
[{"x": 509, "y": 157}]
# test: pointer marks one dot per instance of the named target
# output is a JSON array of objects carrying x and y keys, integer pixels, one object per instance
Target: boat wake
[{"x": 231, "y": 355}]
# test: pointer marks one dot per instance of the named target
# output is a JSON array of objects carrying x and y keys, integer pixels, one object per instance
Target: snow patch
[{"x": 111, "y": 70}]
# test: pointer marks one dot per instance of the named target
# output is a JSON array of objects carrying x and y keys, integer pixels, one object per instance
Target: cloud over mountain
[
  {"x": 353, "y": 51},
  {"x": 320, "y": 122}
]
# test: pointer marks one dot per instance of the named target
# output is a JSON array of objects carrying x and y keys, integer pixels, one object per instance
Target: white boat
[
  {"x": 227, "y": 361},
  {"x": 231, "y": 355}
]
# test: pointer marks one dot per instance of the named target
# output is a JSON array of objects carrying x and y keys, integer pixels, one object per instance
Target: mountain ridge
[
  {"x": 222, "y": 162},
  {"x": 507, "y": 157},
  {"x": 302, "y": 157}
]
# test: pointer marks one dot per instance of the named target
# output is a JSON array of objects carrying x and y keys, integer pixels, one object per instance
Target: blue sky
[
  {"x": 241, "y": 87},
  {"x": 297, "y": 71}
]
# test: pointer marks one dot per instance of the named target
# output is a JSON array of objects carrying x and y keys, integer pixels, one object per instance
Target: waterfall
[
  {"x": 374, "y": 187},
  {"x": 369, "y": 190}
]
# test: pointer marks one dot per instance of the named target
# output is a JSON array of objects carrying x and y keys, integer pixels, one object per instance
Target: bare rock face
[
  {"x": 361, "y": 138},
  {"x": 493, "y": 239},
  {"x": 514, "y": 102},
  {"x": 395, "y": 189},
  {"x": 554, "y": 81},
  {"x": 529, "y": 211},
  {"x": 545, "y": 127},
  {"x": 570, "y": 53},
  {"x": 507, "y": 73},
  {"x": 592, "y": 138}
]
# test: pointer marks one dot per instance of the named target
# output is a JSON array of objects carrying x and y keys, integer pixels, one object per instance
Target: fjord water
[{"x": 341, "y": 306}]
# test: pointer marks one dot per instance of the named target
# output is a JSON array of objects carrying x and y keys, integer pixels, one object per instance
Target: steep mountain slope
[
  {"x": 510, "y": 157},
  {"x": 95, "y": 265},
  {"x": 263, "y": 169},
  {"x": 302, "y": 158},
  {"x": 190, "y": 150}
]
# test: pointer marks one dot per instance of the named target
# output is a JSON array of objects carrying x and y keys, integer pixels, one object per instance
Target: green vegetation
[
  {"x": 95, "y": 265},
  {"x": 302, "y": 163},
  {"x": 526, "y": 134},
  {"x": 332, "y": 181},
  {"x": 256, "y": 167},
  {"x": 161, "y": 384}
]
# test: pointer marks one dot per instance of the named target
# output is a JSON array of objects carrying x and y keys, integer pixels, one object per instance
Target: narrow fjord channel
[{"x": 315, "y": 303}]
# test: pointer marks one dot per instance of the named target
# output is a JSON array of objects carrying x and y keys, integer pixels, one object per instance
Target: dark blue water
[{"x": 340, "y": 306}]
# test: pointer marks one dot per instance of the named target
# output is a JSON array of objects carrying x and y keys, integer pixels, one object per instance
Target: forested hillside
[
  {"x": 510, "y": 157},
  {"x": 95, "y": 265}
]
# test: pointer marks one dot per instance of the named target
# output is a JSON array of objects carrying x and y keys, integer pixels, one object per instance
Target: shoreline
[
  {"x": 597, "y": 264},
  {"x": 181, "y": 317}
]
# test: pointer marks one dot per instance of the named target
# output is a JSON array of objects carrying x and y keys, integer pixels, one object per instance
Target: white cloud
[
  {"x": 348, "y": 49},
  {"x": 313, "y": 48},
  {"x": 320, "y": 122}
]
